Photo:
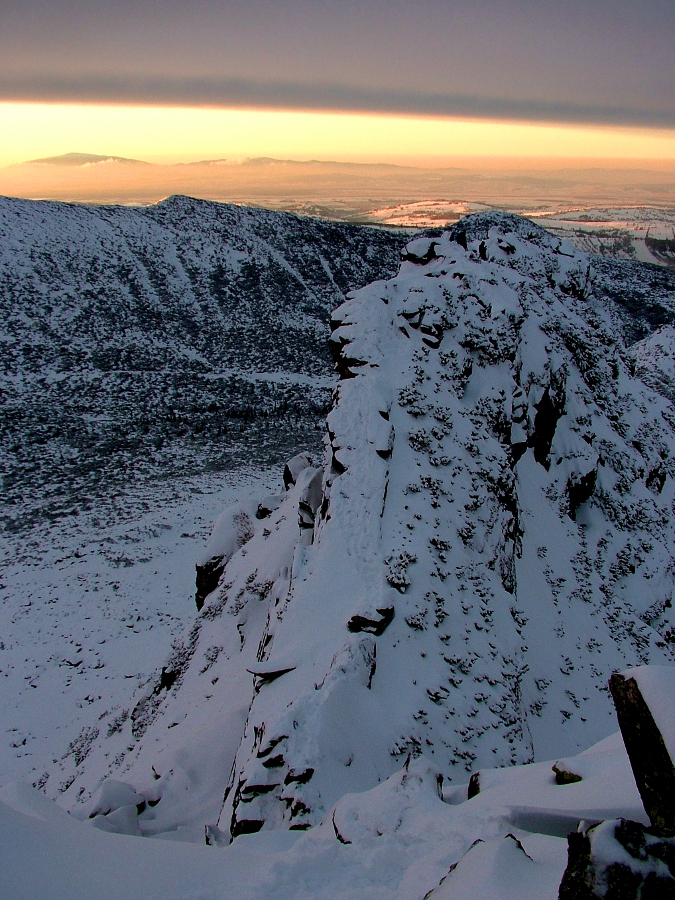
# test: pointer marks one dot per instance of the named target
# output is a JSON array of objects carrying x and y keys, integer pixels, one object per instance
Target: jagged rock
[
  {"x": 473, "y": 789},
  {"x": 579, "y": 490},
  {"x": 311, "y": 495},
  {"x": 618, "y": 860},
  {"x": 231, "y": 530},
  {"x": 373, "y": 626},
  {"x": 267, "y": 506},
  {"x": 294, "y": 467},
  {"x": 419, "y": 252},
  {"x": 645, "y": 705},
  {"x": 545, "y": 421},
  {"x": 208, "y": 576},
  {"x": 266, "y": 672}
]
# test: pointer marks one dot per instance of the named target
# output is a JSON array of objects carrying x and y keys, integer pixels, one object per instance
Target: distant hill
[
  {"x": 346, "y": 191},
  {"x": 82, "y": 159}
]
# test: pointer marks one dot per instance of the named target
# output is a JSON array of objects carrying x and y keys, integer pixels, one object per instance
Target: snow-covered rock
[
  {"x": 655, "y": 360},
  {"x": 409, "y": 837},
  {"x": 491, "y": 540},
  {"x": 231, "y": 530},
  {"x": 618, "y": 859}
]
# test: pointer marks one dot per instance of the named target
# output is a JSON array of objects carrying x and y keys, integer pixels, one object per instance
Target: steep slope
[
  {"x": 655, "y": 360},
  {"x": 168, "y": 340},
  {"x": 489, "y": 538},
  {"x": 640, "y": 295}
]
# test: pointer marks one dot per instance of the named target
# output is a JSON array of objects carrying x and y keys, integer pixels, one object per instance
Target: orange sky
[{"x": 180, "y": 134}]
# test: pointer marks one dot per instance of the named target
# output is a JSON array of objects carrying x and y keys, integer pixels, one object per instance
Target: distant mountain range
[{"x": 347, "y": 191}]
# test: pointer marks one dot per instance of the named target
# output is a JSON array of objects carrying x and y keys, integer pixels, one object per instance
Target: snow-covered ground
[
  {"x": 620, "y": 232},
  {"x": 405, "y": 839},
  {"x": 88, "y": 608},
  {"x": 423, "y": 213},
  {"x": 487, "y": 540}
]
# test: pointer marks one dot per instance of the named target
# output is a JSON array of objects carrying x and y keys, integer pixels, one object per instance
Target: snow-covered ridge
[
  {"x": 142, "y": 342},
  {"x": 488, "y": 539}
]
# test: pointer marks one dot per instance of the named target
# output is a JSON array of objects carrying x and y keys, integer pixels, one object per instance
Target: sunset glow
[{"x": 178, "y": 134}]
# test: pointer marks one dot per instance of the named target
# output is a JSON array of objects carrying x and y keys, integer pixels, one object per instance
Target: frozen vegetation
[{"x": 402, "y": 677}]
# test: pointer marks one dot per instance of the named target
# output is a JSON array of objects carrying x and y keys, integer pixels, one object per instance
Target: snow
[
  {"x": 613, "y": 231},
  {"x": 486, "y": 540},
  {"x": 101, "y": 598},
  {"x": 435, "y": 586},
  {"x": 230, "y": 532},
  {"x": 398, "y": 840}
]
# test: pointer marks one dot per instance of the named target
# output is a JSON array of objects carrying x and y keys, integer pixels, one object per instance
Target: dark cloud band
[{"x": 204, "y": 92}]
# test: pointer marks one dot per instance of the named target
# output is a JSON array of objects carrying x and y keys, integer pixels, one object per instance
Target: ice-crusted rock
[
  {"x": 489, "y": 543},
  {"x": 621, "y": 858}
]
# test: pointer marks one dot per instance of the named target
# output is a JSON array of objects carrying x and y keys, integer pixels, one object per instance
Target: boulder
[
  {"x": 267, "y": 506},
  {"x": 234, "y": 527}
]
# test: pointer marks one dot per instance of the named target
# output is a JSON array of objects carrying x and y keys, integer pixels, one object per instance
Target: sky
[{"x": 409, "y": 78}]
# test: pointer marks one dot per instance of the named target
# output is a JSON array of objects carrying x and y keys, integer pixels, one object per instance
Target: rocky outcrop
[
  {"x": 477, "y": 553},
  {"x": 208, "y": 576},
  {"x": 233, "y": 528},
  {"x": 621, "y": 859},
  {"x": 650, "y": 748}
]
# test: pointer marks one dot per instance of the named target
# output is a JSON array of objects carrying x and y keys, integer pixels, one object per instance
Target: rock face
[
  {"x": 655, "y": 360},
  {"x": 233, "y": 528},
  {"x": 482, "y": 547}
]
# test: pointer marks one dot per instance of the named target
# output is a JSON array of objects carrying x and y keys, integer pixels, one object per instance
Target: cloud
[{"x": 241, "y": 93}]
